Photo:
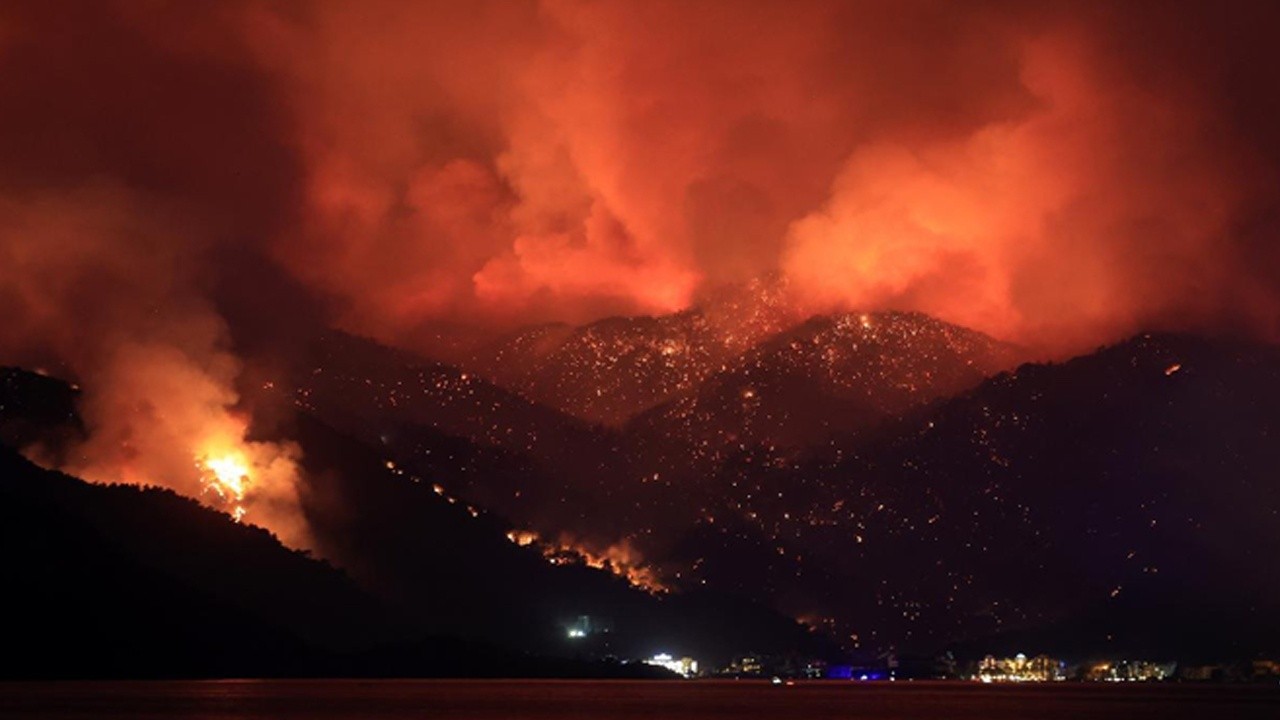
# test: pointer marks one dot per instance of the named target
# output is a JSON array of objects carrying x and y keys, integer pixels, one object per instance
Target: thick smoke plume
[
  {"x": 1056, "y": 174},
  {"x": 121, "y": 186},
  {"x": 104, "y": 288}
]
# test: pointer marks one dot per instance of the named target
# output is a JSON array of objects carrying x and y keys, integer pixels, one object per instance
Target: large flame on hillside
[
  {"x": 163, "y": 415},
  {"x": 255, "y": 483},
  {"x": 227, "y": 477}
]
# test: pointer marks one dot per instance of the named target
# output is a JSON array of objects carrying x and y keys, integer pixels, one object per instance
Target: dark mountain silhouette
[
  {"x": 423, "y": 563},
  {"x": 35, "y": 408},
  {"x": 485, "y": 443},
  {"x": 121, "y": 582},
  {"x": 553, "y": 472},
  {"x": 826, "y": 378},
  {"x": 452, "y": 566},
  {"x": 117, "y": 580},
  {"x": 1125, "y": 499},
  {"x": 868, "y": 525}
]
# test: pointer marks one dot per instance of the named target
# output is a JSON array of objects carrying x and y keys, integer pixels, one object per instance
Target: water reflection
[{"x": 571, "y": 700}]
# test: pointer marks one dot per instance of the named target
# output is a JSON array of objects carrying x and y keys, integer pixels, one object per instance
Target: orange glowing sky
[{"x": 1057, "y": 176}]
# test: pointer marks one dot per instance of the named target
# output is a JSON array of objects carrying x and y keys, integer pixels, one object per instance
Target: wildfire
[
  {"x": 620, "y": 559},
  {"x": 227, "y": 476},
  {"x": 522, "y": 537},
  {"x": 623, "y": 561},
  {"x": 253, "y": 482}
]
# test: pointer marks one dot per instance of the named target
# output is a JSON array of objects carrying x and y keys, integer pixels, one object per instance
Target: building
[
  {"x": 684, "y": 667},
  {"x": 1019, "y": 668},
  {"x": 749, "y": 665}
]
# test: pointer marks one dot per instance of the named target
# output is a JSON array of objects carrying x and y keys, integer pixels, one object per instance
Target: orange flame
[
  {"x": 227, "y": 476},
  {"x": 620, "y": 559}
]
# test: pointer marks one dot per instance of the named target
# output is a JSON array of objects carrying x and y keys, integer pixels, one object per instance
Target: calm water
[{"x": 454, "y": 700}]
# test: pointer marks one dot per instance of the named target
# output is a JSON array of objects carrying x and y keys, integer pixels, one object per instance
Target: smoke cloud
[
  {"x": 125, "y": 199},
  {"x": 1057, "y": 177},
  {"x": 1056, "y": 174}
]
